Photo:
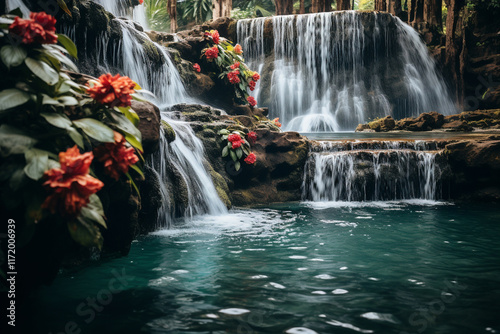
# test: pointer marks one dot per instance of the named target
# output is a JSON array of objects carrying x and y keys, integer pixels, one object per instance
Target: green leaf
[
  {"x": 54, "y": 51},
  {"x": 237, "y": 165},
  {"x": 137, "y": 170},
  {"x": 68, "y": 44},
  {"x": 96, "y": 129},
  {"x": 90, "y": 214},
  {"x": 76, "y": 136},
  {"x": 233, "y": 155},
  {"x": 38, "y": 161},
  {"x": 58, "y": 120},
  {"x": 63, "y": 6},
  {"x": 239, "y": 152},
  {"x": 85, "y": 232},
  {"x": 68, "y": 100},
  {"x": 10, "y": 98},
  {"x": 225, "y": 152},
  {"x": 229, "y": 145},
  {"x": 13, "y": 55},
  {"x": 42, "y": 70},
  {"x": 130, "y": 114},
  {"x": 224, "y": 132},
  {"x": 134, "y": 185},
  {"x": 124, "y": 124},
  {"x": 134, "y": 142},
  {"x": 14, "y": 141}
]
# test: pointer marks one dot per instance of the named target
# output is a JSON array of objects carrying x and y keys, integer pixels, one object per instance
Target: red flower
[
  {"x": 116, "y": 156},
  {"x": 113, "y": 91},
  {"x": 256, "y": 77},
  {"x": 196, "y": 67},
  {"x": 277, "y": 122},
  {"x": 252, "y": 137},
  {"x": 237, "y": 49},
  {"x": 251, "y": 158},
  {"x": 237, "y": 144},
  {"x": 212, "y": 52},
  {"x": 40, "y": 28},
  {"x": 71, "y": 184},
  {"x": 235, "y": 65},
  {"x": 233, "y": 137},
  {"x": 215, "y": 36},
  {"x": 251, "y": 101},
  {"x": 252, "y": 84},
  {"x": 233, "y": 77},
  {"x": 141, "y": 1}
]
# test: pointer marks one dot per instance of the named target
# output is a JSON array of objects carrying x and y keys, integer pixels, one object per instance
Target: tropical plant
[
  {"x": 157, "y": 15},
  {"x": 236, "y": 146},
  {"x": 46, "y": 121},
  {"x": 198, "y": 11},
  {"x": 226, "y": 61}
]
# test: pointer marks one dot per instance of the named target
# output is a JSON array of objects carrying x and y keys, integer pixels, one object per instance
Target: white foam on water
[{"x": 234, "y": 311}]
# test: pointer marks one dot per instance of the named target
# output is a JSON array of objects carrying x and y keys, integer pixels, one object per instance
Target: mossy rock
[
  {"x": 221, "y": 186},
  {"x": 169, "y": 131}
]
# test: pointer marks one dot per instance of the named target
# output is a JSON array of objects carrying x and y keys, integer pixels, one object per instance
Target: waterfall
[
  {"x": 119, "y": 8},
  {"x": 372, "y": 171},
  {"x": 331, "y": 71},
  {"x": 181, "y": 161}
]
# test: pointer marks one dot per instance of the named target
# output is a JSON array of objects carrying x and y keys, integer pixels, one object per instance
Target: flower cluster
[
  {"x": 251, "y": 101},
  {"x": 70, "y": 185},
  {"x": 212, "y": 53},
  {"x": 39, "y": 28},
  {"x": 233, "y": 77},
  {"x": 235, "y": 146},
  {"x": 226, "y": 60},
  {"x": 116, "y": 157},
  {"x": 197, "y": 67},
  {"x": 276, "y": 122},
  {"x": 112, "y": 91}
]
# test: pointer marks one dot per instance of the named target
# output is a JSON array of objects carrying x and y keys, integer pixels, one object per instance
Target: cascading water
[
  {"x": 147, "y": 63},
  {"x": 332, "y": 71},
  {"x": 120, "y": 8},
  {"x": 373, "y": 171}
]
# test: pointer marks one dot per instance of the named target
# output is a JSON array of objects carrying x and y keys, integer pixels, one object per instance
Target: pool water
[{"x": 334, "y": 267}]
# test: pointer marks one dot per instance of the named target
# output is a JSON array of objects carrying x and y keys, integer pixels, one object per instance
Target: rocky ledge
[{"x": 467, "y": 121}]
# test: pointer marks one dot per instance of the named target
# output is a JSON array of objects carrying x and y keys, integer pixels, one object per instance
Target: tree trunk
[
  {"x": 454, "y": 45},
  {"x": 432, "y": 13},
  {"x": 416, "y": 11},
  {"x": 343, "y": 5},
  {"x": 380, "y": 5},
  {"x": 221, "y": 8},
  {"x": 302, "y": 7},
  {"x": 284, "y": 7},
  {"x": 172, "y": 13}
]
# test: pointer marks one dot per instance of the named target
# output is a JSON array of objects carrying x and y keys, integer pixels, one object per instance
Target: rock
[
  {"x": 149, "y": 125},
  {"x": 383, "y": 124},
  {"x": 363, "y": 128},
  {"x": 168, "y": 131},
  {"x": 456, "y": 125}
]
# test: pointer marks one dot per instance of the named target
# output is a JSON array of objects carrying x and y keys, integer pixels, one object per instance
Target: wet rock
[
  {"x": 149, "y": 125},
  {"x": 383, "y": 124}
]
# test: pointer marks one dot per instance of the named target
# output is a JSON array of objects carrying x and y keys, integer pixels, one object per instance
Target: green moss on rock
[{"x": 169, "y": 131}]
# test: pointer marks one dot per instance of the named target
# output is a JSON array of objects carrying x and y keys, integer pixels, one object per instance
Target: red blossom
[
  {"x": 251, "y": 101},
  {"x": 112, "y": 91},
  {"x": 233, "y": 137},
  {"x": 237, "y": 144},
  {"x": 233, "y": 77},
  {"x": 251, "y": 158},
  {"x": 276, "y": 122},
  {"x": 197, "y": 67},
  {"x": 116, "y": 156},
  {"x": 215, "y": 36},
  {"x": 71, "y": 185},
  {"x": 235, "y": 65},
  {"x": 40, "y": 28},
  {"x": 141, "y": 1},
  {"x": 212, "y": 53},
  {"x": 252, "y": 84},
  {"x": 256, "y": 77},
  {"x": 252, "y": 137},
  {"x": 237, "y": 49}
]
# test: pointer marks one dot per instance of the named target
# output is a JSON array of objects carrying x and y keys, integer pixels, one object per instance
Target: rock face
[
  {"x": 475, "y": 166},
  {"x": 281, "y": 156},
  {"x": 466, "y": 121}
]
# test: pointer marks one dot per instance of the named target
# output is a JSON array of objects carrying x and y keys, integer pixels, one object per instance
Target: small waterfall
[
  {"x": 332, "y": 71},
  {"x": 120, "y": 8},
  {"x": 372, "y": 171}
]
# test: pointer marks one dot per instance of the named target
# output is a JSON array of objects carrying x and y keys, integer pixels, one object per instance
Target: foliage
[
  {"x": 483, "y": 4},
  {"x": 226, "y": 61},
  {"x": 198, "y": 11},
  {"x": 236, "y": 146},
  {"x": 47, "y": 119},
  {"x": 157, "y": 15},
  {"x": 366, "y": 4},
  {"x": 239, "y": 14}
]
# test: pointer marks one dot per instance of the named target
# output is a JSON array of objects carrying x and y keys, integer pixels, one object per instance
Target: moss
[
  {"x": 169, "y": 131},
  {"x": 221, "y": 187}
]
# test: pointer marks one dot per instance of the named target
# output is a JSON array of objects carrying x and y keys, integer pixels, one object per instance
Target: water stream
[{"x": 328, "y": 72}]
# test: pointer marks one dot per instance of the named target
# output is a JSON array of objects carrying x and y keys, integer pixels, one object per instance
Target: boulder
[
  {"x": 149, "y": 125},
  {"x": 382, "y": 124}
]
